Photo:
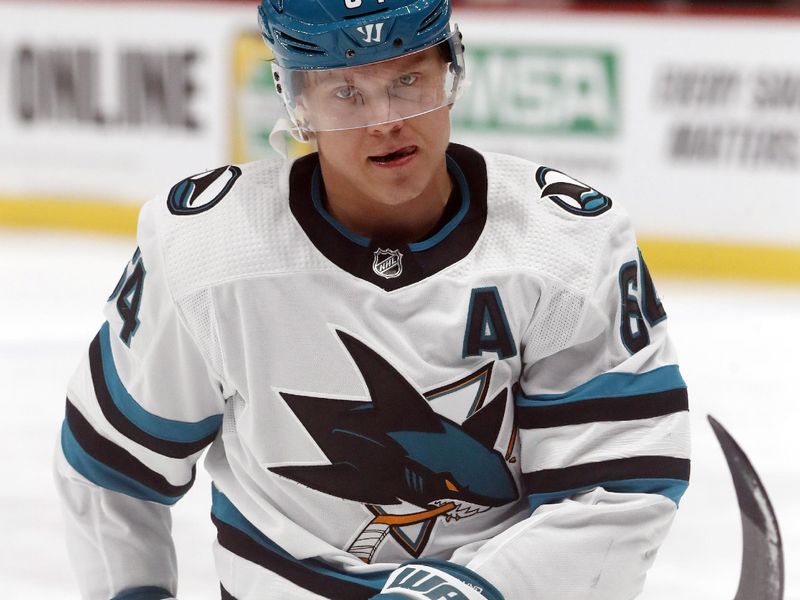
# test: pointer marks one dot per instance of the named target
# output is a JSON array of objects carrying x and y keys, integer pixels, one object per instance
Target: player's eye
[
  {"x": 407, "y": 79},
  {"x": 451, "y": 486},
  {"x": 347, "y": 92}
]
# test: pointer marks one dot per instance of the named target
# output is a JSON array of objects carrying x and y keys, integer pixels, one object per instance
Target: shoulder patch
[
  {"x": 203, "y": 191},
  {"x": 570, "y": 194}
]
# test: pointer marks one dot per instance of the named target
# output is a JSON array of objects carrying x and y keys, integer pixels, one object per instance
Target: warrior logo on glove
[{"x": 396, "y": 450}]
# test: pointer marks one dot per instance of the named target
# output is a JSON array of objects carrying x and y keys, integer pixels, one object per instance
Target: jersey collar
[{"x": 400, "y": 265}]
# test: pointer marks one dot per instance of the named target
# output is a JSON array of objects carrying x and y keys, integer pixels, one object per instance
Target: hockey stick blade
[{"x": 761, "y": 576}]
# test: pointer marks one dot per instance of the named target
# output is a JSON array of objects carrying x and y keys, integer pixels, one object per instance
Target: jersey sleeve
[
  {"x": 140, "y": 409},
  {"x": 604, "y": 440}
]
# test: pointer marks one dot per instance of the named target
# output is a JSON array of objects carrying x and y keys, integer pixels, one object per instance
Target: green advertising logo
[{"x": 540, "y": 90}]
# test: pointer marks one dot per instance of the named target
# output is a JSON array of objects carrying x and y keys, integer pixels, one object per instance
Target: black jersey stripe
[
  {"x": 106, "y": 464},
  {"x": 293, "y": 570},
  {"x": 225, "y": 594},
  {"x": 241, "y": 537},
  {"x": 624, "y": 408},
  {"x": 123, "y": 424},
  {"x": 595, "y": 473}
]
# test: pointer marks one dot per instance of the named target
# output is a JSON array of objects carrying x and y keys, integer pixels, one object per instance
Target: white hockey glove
[{"x": 436, "y": 580}]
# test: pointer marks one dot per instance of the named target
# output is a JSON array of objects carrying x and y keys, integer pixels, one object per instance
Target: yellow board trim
[
  {"x": 665, "y": 257},
  {"x": 74, "y": 215},
  {"x": 717, "y": 260}
]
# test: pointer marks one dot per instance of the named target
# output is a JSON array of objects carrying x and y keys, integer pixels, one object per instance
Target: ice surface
[{"x": 739, "y": 355}]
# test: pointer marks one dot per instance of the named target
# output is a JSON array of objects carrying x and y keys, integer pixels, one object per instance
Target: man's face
[
  {"x": 390, "y": 163},
  {"x": 396, "y": 159}
]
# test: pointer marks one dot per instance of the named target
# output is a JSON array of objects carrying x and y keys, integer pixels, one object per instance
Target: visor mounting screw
[
  {"x": 350, "y": 53},
  {"x": 279, "y": 88},
  {"x": 397, "y": 43},
  {"x": 277, "y": 76}
]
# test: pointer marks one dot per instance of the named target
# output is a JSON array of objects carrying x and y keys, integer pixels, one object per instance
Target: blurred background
[{"x": 686, "y": 112}]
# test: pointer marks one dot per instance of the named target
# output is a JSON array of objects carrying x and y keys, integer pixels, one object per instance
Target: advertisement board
[
  {"x": 109, "y": 103},
  {"x": 695, "y": 126},
  {"x": 692, "y": 122}
]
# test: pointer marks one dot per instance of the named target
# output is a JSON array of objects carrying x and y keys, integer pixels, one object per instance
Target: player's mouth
[{"x": 396, "y": 158}]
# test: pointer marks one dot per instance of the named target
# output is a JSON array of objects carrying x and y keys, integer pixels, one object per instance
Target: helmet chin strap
[{"x": 278, "y": 139}]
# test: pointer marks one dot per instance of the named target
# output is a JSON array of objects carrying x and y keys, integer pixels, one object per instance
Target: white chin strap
[{"x": 278, "y": 139}]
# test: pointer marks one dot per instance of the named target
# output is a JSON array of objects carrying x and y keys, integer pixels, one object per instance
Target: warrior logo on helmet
[{"x": 371, "y": 32}]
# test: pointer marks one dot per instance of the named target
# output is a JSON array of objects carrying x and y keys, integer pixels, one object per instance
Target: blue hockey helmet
[
  {"x": 328, "y": 34},
  {"x": 355, "y": 63}
]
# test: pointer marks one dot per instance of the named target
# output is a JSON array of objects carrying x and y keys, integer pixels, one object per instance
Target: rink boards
[{"x": 690, "y": 121}]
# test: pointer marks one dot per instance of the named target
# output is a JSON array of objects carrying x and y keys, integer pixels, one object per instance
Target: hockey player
[{"x": 421, "y": 371}]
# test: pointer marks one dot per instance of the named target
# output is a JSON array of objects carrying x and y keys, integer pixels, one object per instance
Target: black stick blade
[{"x": 761, "y": 577}]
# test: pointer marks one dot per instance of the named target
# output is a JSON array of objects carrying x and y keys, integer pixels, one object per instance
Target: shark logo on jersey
[
  {"x": 200, "y": 192},
  {"x": 409, "y": 464},
  {"x": 388, "y": 263},
  {"x": 570, "y": 194}
]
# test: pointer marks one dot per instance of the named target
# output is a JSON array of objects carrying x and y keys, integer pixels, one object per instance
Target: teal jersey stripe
[
  {"x": 165, "y": 429},
  {"x": 670, "y": 488},
  {"x": 103, "y": 475},
  {"x": 452, "y": 168},
  {"x": 224, "y": 510},
  {"x": 612, "y": 385},
  {"x": 461, "y": 181},
  {"x": 316, "y": 200}
]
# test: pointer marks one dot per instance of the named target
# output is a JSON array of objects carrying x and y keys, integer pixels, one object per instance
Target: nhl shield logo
[{"x": 388, "y": 263}]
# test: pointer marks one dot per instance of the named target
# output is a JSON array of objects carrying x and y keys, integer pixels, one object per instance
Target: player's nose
[{"x": 387, "y": 127}]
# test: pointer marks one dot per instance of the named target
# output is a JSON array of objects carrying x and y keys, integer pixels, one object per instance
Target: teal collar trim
[{"x": 452, "y": 168}]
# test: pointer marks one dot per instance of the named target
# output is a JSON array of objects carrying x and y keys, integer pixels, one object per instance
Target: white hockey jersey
[{"x": 502, "y": 395}]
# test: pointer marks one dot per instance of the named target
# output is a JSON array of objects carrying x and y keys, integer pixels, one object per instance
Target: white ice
[{"x": 738, "y": 347}]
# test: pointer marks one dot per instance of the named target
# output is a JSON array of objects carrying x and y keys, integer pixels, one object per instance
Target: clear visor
[{"x": 373, "y": 94}]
